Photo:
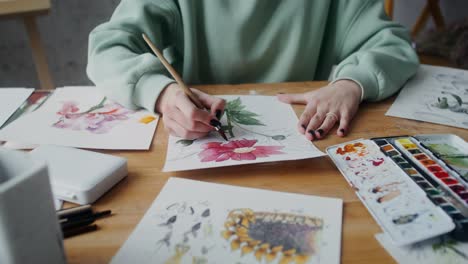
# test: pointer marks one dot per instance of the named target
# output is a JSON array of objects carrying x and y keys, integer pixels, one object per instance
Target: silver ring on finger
[{"x": 332, "y": 115}]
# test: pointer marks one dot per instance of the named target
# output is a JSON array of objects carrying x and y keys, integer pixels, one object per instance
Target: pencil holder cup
[{"x": 29, "y": 229}]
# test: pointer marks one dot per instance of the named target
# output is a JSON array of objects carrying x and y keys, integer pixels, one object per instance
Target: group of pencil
[{"x": 78, "y": 220}]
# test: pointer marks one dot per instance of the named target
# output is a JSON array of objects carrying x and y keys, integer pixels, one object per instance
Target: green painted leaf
[
  {"x": 235, "y": 105},
  {"x": 278, "y": 137},
  {"x": 185, "y": 142}
]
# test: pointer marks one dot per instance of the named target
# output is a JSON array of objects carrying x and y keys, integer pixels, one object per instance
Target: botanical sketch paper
[
  {"x": 437, "y": 95},
  {"x": 259, "y": 129},
  {"x": 82, "y": 117},
  {"x": 10, "y": 100},
  {"x": 197, "y": 222},
  {"x": 443, "y": 249}
]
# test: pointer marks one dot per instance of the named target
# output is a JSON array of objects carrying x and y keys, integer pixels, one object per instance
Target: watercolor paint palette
[
  {"x": 398, "y": 204},
  {"x": 431, "y": 176}
]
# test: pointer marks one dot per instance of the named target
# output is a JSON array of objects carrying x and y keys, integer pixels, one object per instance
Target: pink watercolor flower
[
  {"x": 236, "y": 150},
  {"x": 99, "y": 121},
  {"x": 68, "y": 107}
]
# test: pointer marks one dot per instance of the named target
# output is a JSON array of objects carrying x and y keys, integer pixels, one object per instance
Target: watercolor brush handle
[
  {"x": 174, "y": 73},
  {"x": 73, "y": 223},
  {"x": 74, "y": 211},
  {"x": 215, "y": 123},
  {"x": 79, "y": 230}
]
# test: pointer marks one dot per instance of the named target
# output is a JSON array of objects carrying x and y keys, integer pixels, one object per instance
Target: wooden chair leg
[
  {"x": 389, "y": 8},
  {"x": 436, "y": 14},
  {"x": 421, "y": 21},
  {"x": 38, "y": 53}
]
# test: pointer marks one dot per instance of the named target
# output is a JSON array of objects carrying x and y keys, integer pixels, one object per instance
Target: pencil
[{"x": 181, "y": 83}]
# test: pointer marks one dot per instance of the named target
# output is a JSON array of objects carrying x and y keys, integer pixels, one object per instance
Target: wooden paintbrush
[{"x": 181, "y": 83}]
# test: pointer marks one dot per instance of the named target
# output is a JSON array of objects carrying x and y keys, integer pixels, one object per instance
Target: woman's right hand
[{"x": 182, "y": 118}]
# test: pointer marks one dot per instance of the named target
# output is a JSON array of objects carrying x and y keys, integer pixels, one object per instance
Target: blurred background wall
[{"x": 65, "y": 30}]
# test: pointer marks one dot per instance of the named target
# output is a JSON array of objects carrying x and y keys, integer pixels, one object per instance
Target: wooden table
[{"x": 130, "y": 199}]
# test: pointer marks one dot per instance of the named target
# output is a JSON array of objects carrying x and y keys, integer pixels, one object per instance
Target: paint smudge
[
  {"x": 405, "y": 219},
  {"x": 377, "y": 162},
  {"x": 357, "y": 147},
  {"x": 147, "y": 119},
  {"x": 389, "y": 196}
]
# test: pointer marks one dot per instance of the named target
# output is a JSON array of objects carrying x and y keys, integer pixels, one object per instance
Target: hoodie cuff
[
  {"x": 364, "y": 78},
  {"x": 351, "y": 79},
  {"x": 148, "y": 89}
]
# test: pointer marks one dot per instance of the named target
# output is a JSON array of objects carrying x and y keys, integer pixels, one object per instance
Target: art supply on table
[
  {"x": 85, "y": 118},
  {"x": 217, "y": 125},
  {"x": 79, "y": 231},
  {"x": 229, "y": 224},
  {"x": 29, "y": 230},
  {"x": 78, "y": 220},
  {"x": 443, "y": 249},
  {"x": 84, "y": 220},
  {"x": 74, "y": 211},
  {"x": 420, "y": 158},
  {"x": 10, "y": 100},
  {"x": 81, "y": 176},
  {"x": 396, "y": 202},
  {"x": 435, "y": 94},
  {"x": 441, "y": 185},
  {"x": 261, "y": 129}
]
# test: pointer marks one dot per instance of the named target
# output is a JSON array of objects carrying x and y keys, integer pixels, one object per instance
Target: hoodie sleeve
[
  {"x": 119, "y": 61},
  {"x": 372, "y": 50}
]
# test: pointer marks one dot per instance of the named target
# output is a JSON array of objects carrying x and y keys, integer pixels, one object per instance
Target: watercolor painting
[
  {"x": 398, "y": 205},
  {"x": 443, "y": 249},
  {"x": 259, "y": 129},
  {"x": 82, "y": 117},
  {"x": 187, "y": 226},
  {"x": 437, "y": 95},
  {"x": 289, "y": 238}
]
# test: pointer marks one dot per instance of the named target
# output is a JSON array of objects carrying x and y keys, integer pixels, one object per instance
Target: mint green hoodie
[{"x": 245, "y": 41}]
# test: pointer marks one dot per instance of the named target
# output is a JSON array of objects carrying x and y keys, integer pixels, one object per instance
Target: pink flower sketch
[
  {"x": 236, "y": 150},
  {"x": 98, "y": 119}
]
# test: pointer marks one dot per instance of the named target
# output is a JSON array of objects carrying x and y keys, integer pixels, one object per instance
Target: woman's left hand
[{"x": 335, "y": 103}]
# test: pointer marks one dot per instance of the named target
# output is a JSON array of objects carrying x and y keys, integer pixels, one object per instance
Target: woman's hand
[
  {"x": 335, "y": 103},
  {"x": 182, "y": 118}
]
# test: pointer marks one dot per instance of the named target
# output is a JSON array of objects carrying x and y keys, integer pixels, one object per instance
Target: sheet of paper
[
  {"x": 58, "y": 204},
  {"x": 259, "y": 128},
  {"x": 82, "y": 117},
  {"x": 437, "y": 95},
  {"x": 442, "y": 249},
  {"x": 10, "y": 100},
  {"x": 197, "y": 222}
]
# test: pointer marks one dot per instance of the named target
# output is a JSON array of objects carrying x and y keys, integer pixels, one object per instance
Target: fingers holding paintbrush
[{"x": 199, "y": 99}]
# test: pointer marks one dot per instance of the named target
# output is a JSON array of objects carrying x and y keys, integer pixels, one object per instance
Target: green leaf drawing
[
  {"x": 442, "y": 103},
  {"x": 458, "y": 98},
  {"x": 236, "y": 114},
  {"x": 446, "y": 245},
  {"x": 185, "y": 142},
  {"x": 279, "y": 137}
]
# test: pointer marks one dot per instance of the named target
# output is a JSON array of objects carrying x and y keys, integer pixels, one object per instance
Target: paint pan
[
  {"x": 450, "y": 149},
  {"x": 434, "y": 167}
]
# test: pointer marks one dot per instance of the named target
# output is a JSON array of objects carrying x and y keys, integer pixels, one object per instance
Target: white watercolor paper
[
  {"x": 10, "y": 100},
  {"x": 82, "y": 117},
  {"x": 442, "y": 249},
  {"x": 437, "y": 95},
  {"x": 263, "y": 130},
  {"x": 197, "y": 222}
]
